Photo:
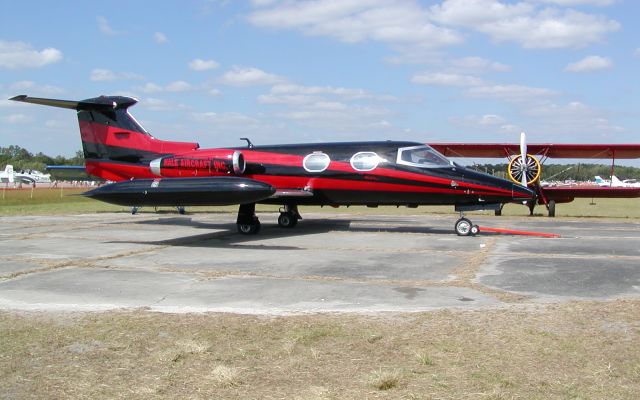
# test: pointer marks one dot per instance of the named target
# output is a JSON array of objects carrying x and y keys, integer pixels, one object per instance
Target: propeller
[
  {"x": 523, "y": 157},
  {"x": 524, "y": 169}
]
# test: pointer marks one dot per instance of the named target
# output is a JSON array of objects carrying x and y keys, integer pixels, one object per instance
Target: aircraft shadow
[{"x": 226, "y": 235}]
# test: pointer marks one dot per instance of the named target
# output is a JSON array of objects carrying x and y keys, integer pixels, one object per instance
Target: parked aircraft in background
[
  {"x": 602, "y": 182},
  {"x": 153, "y": 172},
  {"x": 31, "y": 176},
  {"x": 615, "y": 182}
]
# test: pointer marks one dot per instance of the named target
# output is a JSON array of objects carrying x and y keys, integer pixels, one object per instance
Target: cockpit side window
[{"x": 421, "y": 156}]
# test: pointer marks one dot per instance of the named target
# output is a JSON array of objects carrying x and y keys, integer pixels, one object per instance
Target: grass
[
  {"x": 68, "y": 201},
  {"x": 575, "y": 350}
]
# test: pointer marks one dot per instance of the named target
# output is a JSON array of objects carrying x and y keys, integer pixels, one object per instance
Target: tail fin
[
  {"x": 115, "y": 145},
  {"x": 9, "y": 171},
  {"x": 615, "y": 182}
]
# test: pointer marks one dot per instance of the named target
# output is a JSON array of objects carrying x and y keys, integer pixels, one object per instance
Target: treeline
[
  {"x": 561, "y": 172},
  {"x": 22, "y": 159}
]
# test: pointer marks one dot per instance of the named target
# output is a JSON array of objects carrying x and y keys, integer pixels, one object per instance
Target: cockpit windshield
[{"x": 421, "y": 156}]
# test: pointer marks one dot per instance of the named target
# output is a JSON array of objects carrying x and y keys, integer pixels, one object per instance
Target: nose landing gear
[{"x": 464, "y": 227}]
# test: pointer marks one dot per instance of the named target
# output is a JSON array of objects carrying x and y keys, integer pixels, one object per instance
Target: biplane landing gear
[
  {"x": 134, "y": 210},
  {"x": 289, "y": 216},
  {"x": 181, "y": 210},
  {"x": 464, "y": 227},
  {"x": 551, "y": 208},
  {"x": 247, "y": 222}
]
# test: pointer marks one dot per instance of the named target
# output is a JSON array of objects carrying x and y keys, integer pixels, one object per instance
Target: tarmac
[{"x": 330, "y": 262}]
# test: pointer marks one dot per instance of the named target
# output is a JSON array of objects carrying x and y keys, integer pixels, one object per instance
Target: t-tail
[{"x": 116, "y": 147}]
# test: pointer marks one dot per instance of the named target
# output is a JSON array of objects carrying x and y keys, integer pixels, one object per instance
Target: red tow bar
[{"x": 514, "y": 232}]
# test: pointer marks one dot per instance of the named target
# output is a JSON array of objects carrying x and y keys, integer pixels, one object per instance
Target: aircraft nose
[{"x": 522, "y": 193}]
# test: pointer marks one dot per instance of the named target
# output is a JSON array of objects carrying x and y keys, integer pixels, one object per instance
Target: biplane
[{"x": 526, "y": 162}]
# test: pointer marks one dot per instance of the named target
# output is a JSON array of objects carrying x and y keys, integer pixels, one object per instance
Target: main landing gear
[
  {"x": 289, "y": 216},
  {"x": 247, "y": 222}
]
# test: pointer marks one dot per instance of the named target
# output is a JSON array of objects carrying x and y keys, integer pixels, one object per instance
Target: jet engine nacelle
[{"x": 211, "y": 163}]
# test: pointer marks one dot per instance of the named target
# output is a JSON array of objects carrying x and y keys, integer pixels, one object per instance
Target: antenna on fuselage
[{"x": 249, "y": 144}]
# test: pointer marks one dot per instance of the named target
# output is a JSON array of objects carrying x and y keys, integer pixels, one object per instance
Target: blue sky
[{"x": 281, "y": 71}]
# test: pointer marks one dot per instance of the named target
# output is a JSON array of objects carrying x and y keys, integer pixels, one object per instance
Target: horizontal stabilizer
[{"x": 102, "y": 103}]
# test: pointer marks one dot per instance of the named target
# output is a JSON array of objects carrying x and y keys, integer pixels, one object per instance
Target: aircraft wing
[
  {"x": 70, "y": 172},
  {"x": 570, "y": 192},
  {"x": 551, "y": 150}
]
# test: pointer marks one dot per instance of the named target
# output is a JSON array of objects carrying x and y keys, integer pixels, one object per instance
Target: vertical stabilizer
[{"x": 116, "y": 147}]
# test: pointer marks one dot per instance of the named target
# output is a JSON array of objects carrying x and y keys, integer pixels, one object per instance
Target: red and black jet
[{"x": 152, "y": 172}]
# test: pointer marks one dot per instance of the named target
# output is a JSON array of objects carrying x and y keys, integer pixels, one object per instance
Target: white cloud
[
  {"x": 247, "y": 76},
  {"x": 589, "y": 64},
  {"x": 14, "y": 55},
  {"x": 395, "y": 22},
  {"x": 106, "y": 75},
  {"x": 569, "y": 3},
  {"x": 155, "y": 104},
  {"x": 571, "y": 117},
  {"x": 478, "y": 65},
  {"x": 523, "y": 24},
  {"x": 160, "y": 38},
  {"x": 34, "y": 87},
  {"x": 475, "y": 13},
  {"x": 16, "y": 119},
  {"x": 510, "y": 92},
  {"x": 104, "y": 26},
  {"x": 203, "y": 65},
  {"x": 446, "y": 79},
  {"x": 226, "y": 119},
  {"x": 177, "y": 86}
]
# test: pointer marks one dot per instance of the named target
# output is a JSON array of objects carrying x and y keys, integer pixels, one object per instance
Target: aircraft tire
[
  {"x": 249, "y": 229},
  {"x": 475, "y": 229},
  {"x": 287, "y": 220},
  {"x": 181, "y": 210},
  {"x": 463, "y": 227},
  {"x": 552, "y": 208},
  {"x": 134, "y": 210}
]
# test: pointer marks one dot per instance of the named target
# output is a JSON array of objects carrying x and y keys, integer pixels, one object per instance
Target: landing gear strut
[
  {"x": 289, "y": 216},
  {"x": 247, "y": 222}
]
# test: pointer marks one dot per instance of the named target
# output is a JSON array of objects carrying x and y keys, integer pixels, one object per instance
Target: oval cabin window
[
  {"x": 316, "y": 162},
  {"x": 365, "y": 161}
]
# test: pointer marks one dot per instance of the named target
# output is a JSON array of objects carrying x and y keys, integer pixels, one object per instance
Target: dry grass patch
[
  {"x": 223, "y": 376},
  {"x": 576, "y": 350},
  {"x": 385, "y": 380}
]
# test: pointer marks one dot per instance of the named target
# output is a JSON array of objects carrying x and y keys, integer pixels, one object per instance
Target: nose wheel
[{"x": 464, "y": 227}]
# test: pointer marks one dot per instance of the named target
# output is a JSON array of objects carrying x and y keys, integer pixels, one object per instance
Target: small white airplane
[
  {"x": 615, "y": 182},
  {"x": 7, "y": 176},
  {"x": 602, "y": 182},
  {"x": 31, "y": 176}
]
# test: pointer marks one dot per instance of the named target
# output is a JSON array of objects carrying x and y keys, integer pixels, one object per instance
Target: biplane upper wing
[{"x": 550, "y": 150}]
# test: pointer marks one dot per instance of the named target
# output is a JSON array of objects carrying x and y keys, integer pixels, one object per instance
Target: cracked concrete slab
[{"x": 329, "y": 262}]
